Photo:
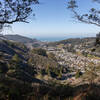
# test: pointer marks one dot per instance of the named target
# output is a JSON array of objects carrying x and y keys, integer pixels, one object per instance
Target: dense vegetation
[{"x": 22, "y": 74}]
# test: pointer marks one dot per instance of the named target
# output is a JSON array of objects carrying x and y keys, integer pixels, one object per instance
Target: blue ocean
[{"x": 53, "y": 39}]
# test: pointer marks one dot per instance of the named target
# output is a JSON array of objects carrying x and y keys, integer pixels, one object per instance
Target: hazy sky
[{"x": 54, "y": 20}]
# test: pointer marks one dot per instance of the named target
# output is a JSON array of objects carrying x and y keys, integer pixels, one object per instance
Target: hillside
[
  {"x": 19, "y": 38},
  {"x": 18, "y": 57},
  {"x": 30, "y": 43},
  {"x": 2, "y": 37},
  {"x": 78, "y": 44},
  {"x": 74, "y": 41},
  {"x": 77, "y": 55},
  {"x": 30, "y": 73}
]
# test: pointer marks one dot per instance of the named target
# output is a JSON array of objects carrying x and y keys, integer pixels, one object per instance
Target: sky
[{"x": 53, "y": 19}]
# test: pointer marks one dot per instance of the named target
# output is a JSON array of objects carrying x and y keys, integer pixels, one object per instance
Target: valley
[{"x": 64, "y": 64}]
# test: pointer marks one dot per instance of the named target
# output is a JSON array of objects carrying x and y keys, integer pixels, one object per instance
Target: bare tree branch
[{"x": 93, "y": 16}]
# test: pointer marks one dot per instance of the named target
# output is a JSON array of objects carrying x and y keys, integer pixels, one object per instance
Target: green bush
[
  {"x": 78, "y": 74},
  {"x": 52, "y": 56},
  {"x": 16, "y": 58},
  {"x": 39, "y": 51},
  {"x": 3, "y": 68}
]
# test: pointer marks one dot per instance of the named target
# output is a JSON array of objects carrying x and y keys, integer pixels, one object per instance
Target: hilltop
[
  {"x": 19, "y": 38},
  {"x": 30, "y": 43},
  {"x": 74, "y": 41}
]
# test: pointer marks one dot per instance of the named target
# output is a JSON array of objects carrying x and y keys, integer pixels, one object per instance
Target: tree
[
  {"x": 15, "y": 11},
  {"x": 39, "y": 51},
  {"x": 48, "y": 69},
  {"x": 1, "y": 56},
  {"x": 78, "y": 74},
  {"x": 98, "y": 39},
  {"x": 92, "y": 17},
  {"x": 16, "y": 58},
  {"x": 15, "y": 62},
  {"x": 3, "y": 67},
  {"x": 52, "y": 56}
]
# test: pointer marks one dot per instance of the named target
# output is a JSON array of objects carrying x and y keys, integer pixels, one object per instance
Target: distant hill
[
  {"x": 25, "y": 40},
  {"x": 19, "y": 38},
  {"x": 74, "y": 41},
  {"x": 2, "y": 37}
]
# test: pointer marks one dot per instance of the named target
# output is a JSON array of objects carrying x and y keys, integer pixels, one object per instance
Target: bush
[
  {"x": 15, "y": 62},
  {"x": 52, "y": 56},
  {"x": 16, "y": 58},
  {"x": 39, "y": 51},
  {"x": 3, "y": 68},
  {"x": 78, "y": 74}
]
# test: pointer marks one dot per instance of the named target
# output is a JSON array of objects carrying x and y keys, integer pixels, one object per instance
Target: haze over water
[{"x": 58, "y": 38}]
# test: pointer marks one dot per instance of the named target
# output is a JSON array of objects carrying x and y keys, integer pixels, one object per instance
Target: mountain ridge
[{"x": 29, "y": 42}]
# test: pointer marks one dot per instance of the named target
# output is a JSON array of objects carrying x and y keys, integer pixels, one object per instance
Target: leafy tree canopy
[{"x": 15, "y": 11}]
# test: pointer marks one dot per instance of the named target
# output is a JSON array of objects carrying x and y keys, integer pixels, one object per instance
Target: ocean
[
  {"x": 58, "y": 38},
  {"x": 53, "y": 39}
]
